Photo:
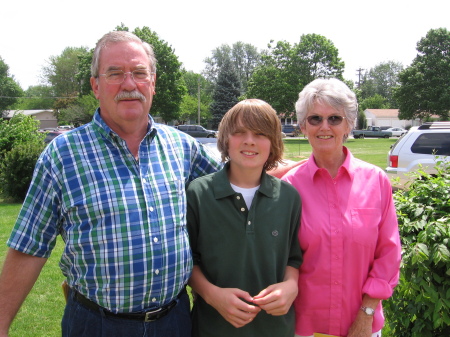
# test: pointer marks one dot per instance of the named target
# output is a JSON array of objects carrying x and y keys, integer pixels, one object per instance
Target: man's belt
[{"x": 146, "y": 316}]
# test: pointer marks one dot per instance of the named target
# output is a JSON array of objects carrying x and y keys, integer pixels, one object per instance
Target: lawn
[
  {"x": 41, "y": 313},
  {"x": 373, "y": 150}
]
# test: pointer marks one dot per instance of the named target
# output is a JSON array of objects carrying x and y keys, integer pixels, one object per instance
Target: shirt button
[
  {"x": 238, "y": 197},
  {"x": 242, "y": 209},
  {"x": 249, "y": 223},
  {"x": 143, "y": 180},
  {"x": 157, "y": 271},
  {"x": 153, "y": 300},
  {"x": 151, "y": 209},
  {"x": 155, "y": 240}
]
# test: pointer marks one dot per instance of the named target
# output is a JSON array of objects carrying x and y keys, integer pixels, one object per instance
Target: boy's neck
[{"x": 247, "y": 178}]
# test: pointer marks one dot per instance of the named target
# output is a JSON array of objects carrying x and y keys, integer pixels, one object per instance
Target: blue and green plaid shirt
[{"x": 123, "y": 221}]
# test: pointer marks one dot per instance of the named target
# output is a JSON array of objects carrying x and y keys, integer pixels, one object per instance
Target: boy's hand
[
  {"x": 230, "y": 303},
  {"x": 277, "y": 299}
]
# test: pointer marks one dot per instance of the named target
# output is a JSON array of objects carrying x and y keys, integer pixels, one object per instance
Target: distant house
[
  {"x": 45, "y": 117},
  {"x": 388, "y": 117}
]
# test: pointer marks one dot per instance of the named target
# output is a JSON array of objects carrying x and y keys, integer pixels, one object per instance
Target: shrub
[
  {"x": 420, "y": 305},
  {"x": 20, "y": 129},
  {"x": 16, "y": 169}
]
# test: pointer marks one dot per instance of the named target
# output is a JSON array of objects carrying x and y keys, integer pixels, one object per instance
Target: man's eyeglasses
[
  {"x": 317, "y": 120},
  {"x": 118, "y": 76}
]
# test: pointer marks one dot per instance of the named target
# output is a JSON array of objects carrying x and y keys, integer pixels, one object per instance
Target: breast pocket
[{"x": 365, "y": 223}]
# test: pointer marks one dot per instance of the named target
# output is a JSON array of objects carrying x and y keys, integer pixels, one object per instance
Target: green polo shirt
[{"x": 243, "y": 248}]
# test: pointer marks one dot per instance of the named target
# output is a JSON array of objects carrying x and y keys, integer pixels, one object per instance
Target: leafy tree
[
  {"x": 287, "y": 68},
  {"x": 374, "y": 102},
  {"x": 425, "y": 85},
  {"x": 225, "y": 94},
  {"x": 170, "y": 87},
  {"x": 10, "y": 90},
  {"x": 20, "y": 129},
  {"x": 420, "y": 306},
  {"x": 196, "y": 86},
  {"x": 61, "y": 72},
  {"x": 79, "y": 112},
  {"x": 83, "y": 75},
  {"x": 36, "y": 97},
  {"x": 381, "y": 80},
  {"x": 244, "y": 59},
  {"x": 189, "y": 110}
]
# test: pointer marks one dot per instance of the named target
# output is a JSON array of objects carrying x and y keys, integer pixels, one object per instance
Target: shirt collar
[
  {"x": 107, "y": 131},
  {"x": 222, "y": 187},
  {"x": 346, "y": 167}
]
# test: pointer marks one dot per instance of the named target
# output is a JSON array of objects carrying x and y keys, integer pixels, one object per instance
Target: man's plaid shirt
[{"x": 123, "y": 221}]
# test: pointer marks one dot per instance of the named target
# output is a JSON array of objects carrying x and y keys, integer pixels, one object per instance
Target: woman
[{"x": 349, "y": 232}]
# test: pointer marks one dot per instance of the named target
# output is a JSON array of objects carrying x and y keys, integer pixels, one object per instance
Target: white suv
[{"x": 421, "y": 147}]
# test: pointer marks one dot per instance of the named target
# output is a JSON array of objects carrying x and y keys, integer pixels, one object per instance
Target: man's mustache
[{"x": 129, "y": 95}]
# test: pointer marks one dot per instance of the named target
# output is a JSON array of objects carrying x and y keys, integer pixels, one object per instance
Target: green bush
[
  {"x": 20, "y": 129},
  {"x": 16, "y": 169},
  {"x": 420, "y": 305}
]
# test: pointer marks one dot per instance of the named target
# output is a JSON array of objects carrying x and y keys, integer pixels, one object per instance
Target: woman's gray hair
[
  {"x": 331, "y": 92},
  {"x": 116, "y": 37}
]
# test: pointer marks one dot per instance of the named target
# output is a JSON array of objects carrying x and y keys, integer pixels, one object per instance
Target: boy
[{"x": 243, "y": 226}]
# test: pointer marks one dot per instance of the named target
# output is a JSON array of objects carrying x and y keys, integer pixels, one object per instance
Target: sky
[{"x": 366, "y": 33}]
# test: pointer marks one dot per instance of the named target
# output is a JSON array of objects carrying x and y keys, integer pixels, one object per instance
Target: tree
[
  {"x": 10, "y": 90},
  {"x": 244, "y": 59},
  {"x": 80, "y": 112},
  {"x": 61, "y": 72},
  {"x": 285, "y": 69},
  {"x": 36, "y": 97},
  {"x": 170, "y": 87},
  {"x": 374, "y": 102},
  {"x": 382, "y": 80},
  {"x": 225, "y": 94},
  {"x": 425, "y": 85},
  {"x": 198, "y": 88}
]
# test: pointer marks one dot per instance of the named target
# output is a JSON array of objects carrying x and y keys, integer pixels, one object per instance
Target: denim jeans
[{"x": 79, "y": 321}]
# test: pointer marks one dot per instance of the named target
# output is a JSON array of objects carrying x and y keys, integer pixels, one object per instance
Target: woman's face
[{"x": 325, "y": 128}]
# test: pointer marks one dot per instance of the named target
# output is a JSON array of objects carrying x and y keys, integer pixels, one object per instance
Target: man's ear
[{"x": 94, "y": 86}]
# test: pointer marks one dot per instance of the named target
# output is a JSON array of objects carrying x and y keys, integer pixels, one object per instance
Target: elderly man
[{"x": 114, "y": 189}]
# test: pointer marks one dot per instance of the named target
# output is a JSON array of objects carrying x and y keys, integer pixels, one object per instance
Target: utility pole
[
  {"x": 359, "y": 71},
  {"x": 198, "y": 99}
]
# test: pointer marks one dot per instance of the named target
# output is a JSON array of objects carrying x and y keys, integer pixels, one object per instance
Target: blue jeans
[{"x": 79, "y": 321}]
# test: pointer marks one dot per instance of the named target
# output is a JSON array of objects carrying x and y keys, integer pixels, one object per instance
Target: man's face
[{"x": 117, "y": 113}]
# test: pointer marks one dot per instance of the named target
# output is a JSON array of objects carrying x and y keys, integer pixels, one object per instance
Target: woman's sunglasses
[{"x": 317, "y": 120}]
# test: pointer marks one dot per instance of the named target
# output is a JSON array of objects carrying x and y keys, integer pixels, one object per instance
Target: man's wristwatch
[{"x": 368, "y": 311}]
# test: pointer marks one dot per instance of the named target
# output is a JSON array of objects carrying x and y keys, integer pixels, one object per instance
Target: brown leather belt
[{"x": 146, "y": 316}]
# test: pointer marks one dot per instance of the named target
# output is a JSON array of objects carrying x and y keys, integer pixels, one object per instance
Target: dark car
[
  {"x": 290, "y": 130},
  {"x": 53, "y": 134},
  {"x": 197, "y": 131}
]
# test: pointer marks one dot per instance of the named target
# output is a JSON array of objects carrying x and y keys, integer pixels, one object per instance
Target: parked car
[
  {"x": 291, "y": 130},
  {"x": 197, "y": 131},
  {"x": 371, "y": 131},
  {"x": 421, "y": 147},
  {"x": 211, "y": 143},
  {"x": 52, "y": 135},
  {"x": 397, "y": 132}
]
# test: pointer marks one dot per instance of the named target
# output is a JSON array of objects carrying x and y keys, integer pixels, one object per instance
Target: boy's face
[{"x": 247, "y": 149}]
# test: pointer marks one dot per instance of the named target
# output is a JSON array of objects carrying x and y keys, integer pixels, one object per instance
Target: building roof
[
  {"x": 10, "y": 113},
  {"x": 384, "y": 113}
]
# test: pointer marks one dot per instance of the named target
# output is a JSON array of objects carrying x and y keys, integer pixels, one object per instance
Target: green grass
[
  {"x": 373, "y": 150},
  {"x": 41, "y": 313}
]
